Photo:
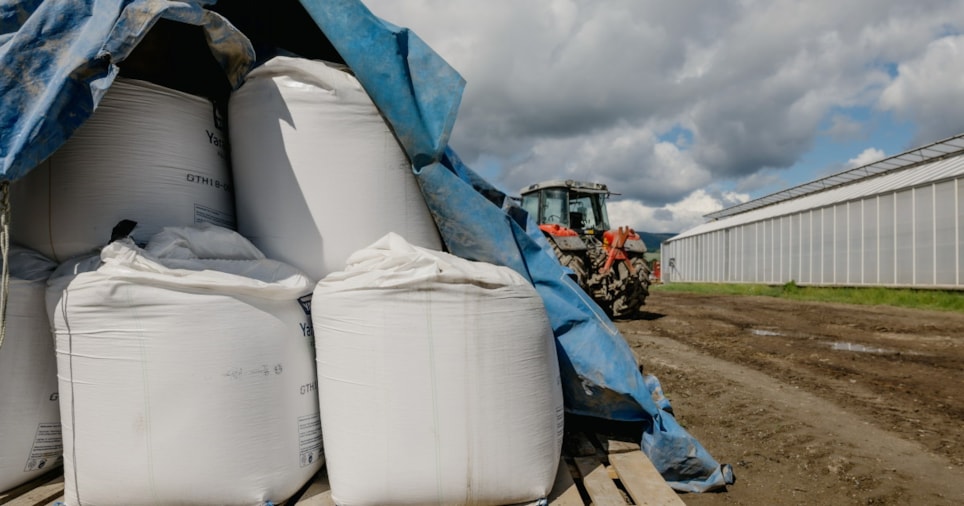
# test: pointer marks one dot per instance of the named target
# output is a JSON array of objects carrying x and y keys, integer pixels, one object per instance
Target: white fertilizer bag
[
  {"x": 186, "y": 373},
  {"x": 437, "y": 379},
  {"x": 30, "y": 442},
  {"x": 149, "y": 154},
  {"x": 318, "y": 172}
]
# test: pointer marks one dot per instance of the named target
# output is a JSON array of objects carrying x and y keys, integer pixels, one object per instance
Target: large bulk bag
[
  {"x": 149, "y": 154},
  {"x": 437, "y": 380},
  {"x": 186, "y": 373},
  {"x": 30, "y": 442},
  {"x": 318, "y": 172}
]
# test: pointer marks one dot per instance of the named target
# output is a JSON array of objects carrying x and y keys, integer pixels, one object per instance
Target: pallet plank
[
  {"x": 643, "y": 482},
  {"x": 578, "y": 445},
  {"x": 8, "y": 495},
  {"x": 564, "y": 491},
  {"x": 40, "y": 495},
  {"x": 322, "y": 499},
  {"x": 319, "y": 492},
  {"x": 616, "y": 446},
  {"x": 599, "y": 485}
]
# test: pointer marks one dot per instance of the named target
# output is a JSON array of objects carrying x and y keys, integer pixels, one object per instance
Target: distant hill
[{"x": 653, "y": 240}]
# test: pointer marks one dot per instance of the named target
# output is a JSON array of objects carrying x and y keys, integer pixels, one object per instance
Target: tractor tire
[
  {"x": 628, "y": 293},
  {"x": 573, "y": 261},
  {"x": 599, "y": 286},
  {"x": 643, "y": 273},
  {"x": 630, "y": 289}
]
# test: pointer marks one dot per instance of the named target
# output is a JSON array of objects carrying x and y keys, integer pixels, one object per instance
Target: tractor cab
[{"x": 578, "y": 206}]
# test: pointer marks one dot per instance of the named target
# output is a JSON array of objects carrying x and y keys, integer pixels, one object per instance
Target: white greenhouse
[{"x": 895, "y": 222}]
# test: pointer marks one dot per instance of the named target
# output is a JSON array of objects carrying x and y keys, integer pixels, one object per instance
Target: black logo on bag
[
  {"x": 305, "y": 302},
  {"x": 219, "y": 119}
]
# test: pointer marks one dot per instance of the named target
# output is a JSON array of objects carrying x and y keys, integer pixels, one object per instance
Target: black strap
[{"x": 122, "y": 229}]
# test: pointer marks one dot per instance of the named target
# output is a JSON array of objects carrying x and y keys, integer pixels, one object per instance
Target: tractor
[{"x": 608, "y": 264}]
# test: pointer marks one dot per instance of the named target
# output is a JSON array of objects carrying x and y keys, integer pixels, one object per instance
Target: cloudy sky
[{"x": 689, "y": 106}]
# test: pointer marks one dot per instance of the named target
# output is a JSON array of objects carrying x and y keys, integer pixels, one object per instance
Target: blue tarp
[{"x": 59, "y": 57}]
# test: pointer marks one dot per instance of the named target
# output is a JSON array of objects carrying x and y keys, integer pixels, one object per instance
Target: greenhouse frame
[{"x": 895, "y": 222}]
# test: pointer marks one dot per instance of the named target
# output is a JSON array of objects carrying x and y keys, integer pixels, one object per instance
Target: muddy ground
[{"x": 813, "y": 403}]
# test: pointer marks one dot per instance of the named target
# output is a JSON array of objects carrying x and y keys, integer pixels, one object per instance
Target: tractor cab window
[
  {"x": 530, "y": 203},
  {"x": 555, "y": 205},
  {"x": 602, "y": 216},
  {"x": 587, "y": 211}
]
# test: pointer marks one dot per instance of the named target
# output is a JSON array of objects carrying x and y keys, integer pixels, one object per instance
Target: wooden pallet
[
  {"x": 604, "y": 471},
  {"x": 46, "y": 490},
  {"x": 594, "y": 470}
]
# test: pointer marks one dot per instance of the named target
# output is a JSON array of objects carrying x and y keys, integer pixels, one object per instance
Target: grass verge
[{"x": 939, "y": 300}]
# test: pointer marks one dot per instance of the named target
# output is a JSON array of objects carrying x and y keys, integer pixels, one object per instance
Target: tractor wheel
[
  {"x": 599, "y": 286},
  {"x": 628, "y": 294},
  {"x": 573, "y": 262},
  {"x": 642, "y": 274}
]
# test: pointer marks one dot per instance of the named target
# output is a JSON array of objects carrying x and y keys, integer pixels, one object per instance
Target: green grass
[{"x": 939, "y": 300}]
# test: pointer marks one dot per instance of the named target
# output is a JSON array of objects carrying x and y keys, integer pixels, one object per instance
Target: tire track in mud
[{"x": 790, "y": 446}]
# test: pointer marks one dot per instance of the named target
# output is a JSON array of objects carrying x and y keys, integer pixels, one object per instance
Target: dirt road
[{"x": 813, "y": 403}]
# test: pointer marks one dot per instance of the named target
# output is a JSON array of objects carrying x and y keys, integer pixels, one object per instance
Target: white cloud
[
  {"x": 676, "y": 217},
  {"x": 866, "y": 157},
  {"x": 663, "y": 99},
  {"x": 633, "y": 162},
  {"x": 928, "y": 90}
]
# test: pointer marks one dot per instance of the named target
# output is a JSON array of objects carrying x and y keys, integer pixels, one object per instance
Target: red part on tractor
[{"x": 558, "y": 230}]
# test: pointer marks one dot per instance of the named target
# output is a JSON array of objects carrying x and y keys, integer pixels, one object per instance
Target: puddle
[
  {"x": 844, "y": 346},
  {"x": 760, "y": 332}
]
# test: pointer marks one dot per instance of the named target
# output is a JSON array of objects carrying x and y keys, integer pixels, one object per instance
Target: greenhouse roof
[
  {"x": 951, "y": 147},
  {"x": 932, "y": 163}
]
